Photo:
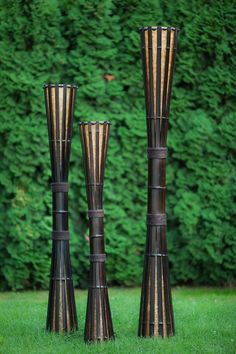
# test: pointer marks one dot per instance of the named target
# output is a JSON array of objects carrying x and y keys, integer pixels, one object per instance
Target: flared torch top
[
  {"x": 95, "y": 135},
  {"x": 60, "y": 101},
  {"x": 159, "y": 46}
]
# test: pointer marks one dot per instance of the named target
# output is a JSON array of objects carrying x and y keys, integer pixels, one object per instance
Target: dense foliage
[{"x": 95, "y": 44}]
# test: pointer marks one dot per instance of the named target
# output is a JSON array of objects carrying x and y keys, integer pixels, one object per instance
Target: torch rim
[
  {"x": 92, "y": 122},
  {"x": 154, "y": 28},
  {"x": 60, "y": 85}
]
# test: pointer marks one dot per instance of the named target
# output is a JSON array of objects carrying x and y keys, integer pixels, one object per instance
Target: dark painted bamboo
[
  {"x": 60, "y": 100},
  {"x": 158, "y": 56},
  {"x": 98, "y": 326}
]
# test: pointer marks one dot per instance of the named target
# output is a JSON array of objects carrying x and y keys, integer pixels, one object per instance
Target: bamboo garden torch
[
  {"x": 159, "y": 46},
  {"x": 60, "y": 100},
  {"x": 98, "y": 323}
]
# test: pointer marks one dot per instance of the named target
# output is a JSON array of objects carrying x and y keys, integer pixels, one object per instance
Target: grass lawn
[{"x": 205, "y": 323}]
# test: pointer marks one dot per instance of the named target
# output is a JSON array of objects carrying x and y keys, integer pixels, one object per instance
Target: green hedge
[{"x": 96, "y": 45}]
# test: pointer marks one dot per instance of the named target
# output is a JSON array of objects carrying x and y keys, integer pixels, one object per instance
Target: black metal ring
[
  {"x": 156, "y": 255},
  {"x": 93, "y": 184},
  {"x": 157, "y": 117},
  {"x": 97, "y": 286},
  {"x": 96, "y": 236},
  {"x": 60, "y": 85},
  {"x": 156, "y": 219},
  {"x": 60, "y": 211},
  {"x": 60, "y": 187},
  {"x": 97, "y": 258},
  {"x": 60, "y": 235},
  {"x": 92, "y": 122},
  {"x": 157, "y": 153},
  {"x": 59, "y": 140},
  {"x": 99, "y": 213}
]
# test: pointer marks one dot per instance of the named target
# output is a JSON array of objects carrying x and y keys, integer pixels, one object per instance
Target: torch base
[
  {"x": 156, "y": 313},
  {"x": 61, "y": 315},
  {"x": 98, "y": 318}
]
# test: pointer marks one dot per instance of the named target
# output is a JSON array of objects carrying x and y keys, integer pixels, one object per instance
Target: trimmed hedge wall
[{"x": 96, "y": 45}]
